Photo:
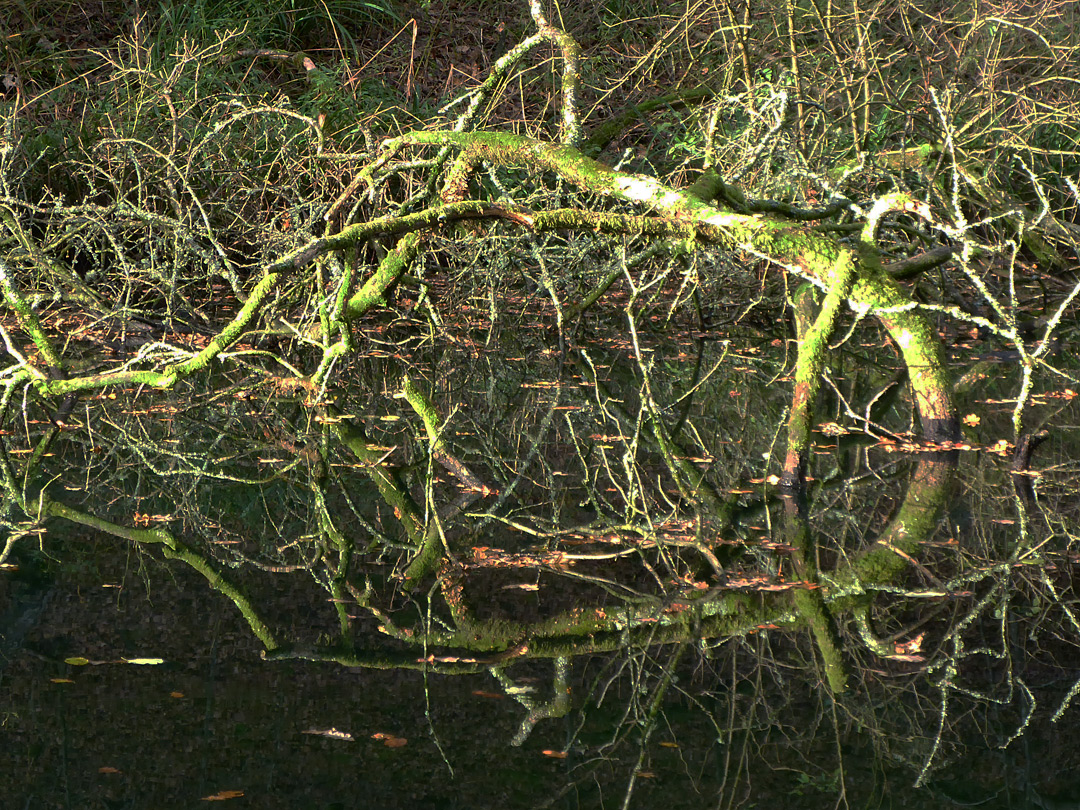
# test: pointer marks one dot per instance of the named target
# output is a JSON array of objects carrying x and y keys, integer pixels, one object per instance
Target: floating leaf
[
  {"x": 222, "y": 795},
  {"x": 554, "y": 754},
  {"x": 143, "y": 662},
  {"x": 61, "y": 680},
  {"x": 389, "y": 740},
  {"x": 108, "y": 769},
  {"x": 77, "y": 661},
  {"x": 331, "y": 732}
]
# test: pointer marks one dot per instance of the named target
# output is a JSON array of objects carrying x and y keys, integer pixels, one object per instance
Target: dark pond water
[{"x": 585, "y": 591}]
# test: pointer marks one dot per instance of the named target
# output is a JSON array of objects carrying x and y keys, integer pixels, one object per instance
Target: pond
[{"x": 580, "y": 588}]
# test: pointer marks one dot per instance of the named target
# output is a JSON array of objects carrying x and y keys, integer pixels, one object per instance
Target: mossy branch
[
  {"x": 792, "y": 246},
  {"x": 171, "y": 548},
  {"x": 28, "y": 319}
]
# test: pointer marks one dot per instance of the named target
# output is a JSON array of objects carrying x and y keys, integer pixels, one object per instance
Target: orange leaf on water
[
  {"x": 331, "y": 732},
  {"x": 389, "y": 740},
  {"x": 222, "y": 795}
]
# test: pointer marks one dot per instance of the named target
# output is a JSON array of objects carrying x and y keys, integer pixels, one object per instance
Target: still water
[{"x": 581, "y": 589}]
